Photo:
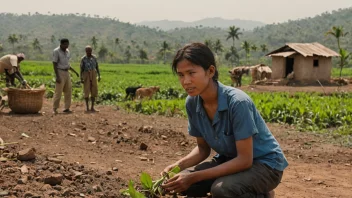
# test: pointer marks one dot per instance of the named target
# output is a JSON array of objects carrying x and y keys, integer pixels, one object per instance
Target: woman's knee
[{"x": 220, "y": 189}]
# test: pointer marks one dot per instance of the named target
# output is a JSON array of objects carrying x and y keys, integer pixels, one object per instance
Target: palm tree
[
  {"x": 164, "y": 47},
  {"x": 208, "y": 43},
  {"x": 218, "y": 46},
  {"x": 13, "y": 39},
  {"x": 143, "y": 55},
  {"x": 117, "y": 42},
  {"x": 233, "y": 34},
  {"x": 94, "y": 41},
  {"x": 53, "y": 39},
  {"x": 36, "y": 45},
  {"x": 337, "y": 32},
  {"x": 103, "y": 52},
  {"x": 232, "y": 55},
  {"x": 344, "y": 55},
  {"x": 264, "y": 48},
  {"x": 247, "y": 47},
  {"x": 127, "y": 55},
  {"x": 254, "y": 48}
]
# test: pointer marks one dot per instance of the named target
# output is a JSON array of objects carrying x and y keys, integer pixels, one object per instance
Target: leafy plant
[{"x": 151, "y": 189}]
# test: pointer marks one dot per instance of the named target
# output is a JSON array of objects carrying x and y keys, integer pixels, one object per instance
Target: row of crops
[{"x": 309, "y": 111}]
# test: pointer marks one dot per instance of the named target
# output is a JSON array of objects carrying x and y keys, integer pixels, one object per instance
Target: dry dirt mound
[{"x": 100, "y": 152}]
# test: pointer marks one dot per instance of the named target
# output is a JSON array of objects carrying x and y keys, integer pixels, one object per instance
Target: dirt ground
[{"x": 95, "y": 154}]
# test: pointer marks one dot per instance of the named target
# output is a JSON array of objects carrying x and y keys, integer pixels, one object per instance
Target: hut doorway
[{"x": 289, "y": 66}]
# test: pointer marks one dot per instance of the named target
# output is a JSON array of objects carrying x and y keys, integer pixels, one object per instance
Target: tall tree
[
  {"x": 127, "y": 55},
  {"x": 103, "y": 51},
  {"x": 53, "y": 39},
  {"x": 163, "y": 49},
  {"x": 338, "y": 32},
  {"x": 232, "y": 55},
  {"x": 233, "y": 33},
  {"x": 36, "y": 45},
  {"x": 218, "y": 47},
  {"x": 264, "y": 48},
  {"x": 254, "y": 48},
  {"x": 1, "y": 47},
  {"x": 209, "y": 43},
  {"x": 94, "y": 42},
  {"x": 12, "y": 39},
  {"x": 143, "y": 55},
  {"x": 247, "y": 48},
  {"x": 117, "y": 42}
]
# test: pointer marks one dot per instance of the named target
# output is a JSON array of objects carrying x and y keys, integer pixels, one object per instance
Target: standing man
[
  {"x": 61, "y": 57},
  {"x": 89, "y": 70},
  {"x": 10, "y": 65}
]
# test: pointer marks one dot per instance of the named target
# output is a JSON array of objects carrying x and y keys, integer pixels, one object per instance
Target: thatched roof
[{"x": 305, "y": 49}]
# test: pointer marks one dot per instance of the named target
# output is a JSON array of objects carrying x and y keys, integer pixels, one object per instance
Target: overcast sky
[{"x": 267, "y": 11}]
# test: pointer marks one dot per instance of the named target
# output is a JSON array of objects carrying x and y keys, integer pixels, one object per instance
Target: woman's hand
[{"x": 179, "y": 182}]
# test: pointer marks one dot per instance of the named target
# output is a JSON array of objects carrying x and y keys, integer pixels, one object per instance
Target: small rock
[
  {"x": 115, "y": 169},
  {"x": 77, "y": 129},
  {"x": 46, "y": 187},
  {"x": 164, "y": 137},
  {"x": 97, "y": 188},
  {"x": 91, "y": 139},
  {"x": 81, "y": 195},
  {"x": 77, "y": 174},
  {"x": 108, "y": 172},
  {"x": 52, "y": 193},
  {"x": 26, "y": 154},
  {"x": 4, "y": 193},
  {"x": 183, "y": 143},
  {"x": 54, "y": 179},
  {"x": 24, "y": 169},
  {"x": 143, "y": 146},
  {"x": 143, "y": 158},
  {"x": 22, "y": 180},
  {"x": 55, "y": 160}
]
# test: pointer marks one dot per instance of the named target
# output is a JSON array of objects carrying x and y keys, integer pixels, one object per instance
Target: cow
[
  {"x": 131, "y": 92},
  {"x": 146, "y": 92},
  {"x": 260, "y": 72},
  {"x": 236, "y": 75}
]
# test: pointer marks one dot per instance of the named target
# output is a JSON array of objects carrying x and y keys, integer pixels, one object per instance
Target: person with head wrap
[{"x": 10, "y": 65}]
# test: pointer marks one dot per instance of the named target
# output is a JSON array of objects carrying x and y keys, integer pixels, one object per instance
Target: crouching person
[
  {"x": 10, "y": 65},
  {"x": 89, "y": 72},
  {"x": 249, "y": 163}
]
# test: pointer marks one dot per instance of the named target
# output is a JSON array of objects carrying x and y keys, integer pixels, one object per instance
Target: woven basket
[{"x": 25, "y": 100}]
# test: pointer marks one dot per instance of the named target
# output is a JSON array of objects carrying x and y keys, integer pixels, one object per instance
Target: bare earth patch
[{"x": 96, "y": 154}]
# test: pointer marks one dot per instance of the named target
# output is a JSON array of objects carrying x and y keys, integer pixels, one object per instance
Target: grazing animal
[
  {"x": 236, "y": 75},
  {"x": 131, "y": 92},
  {"x": 146, "y": 92}
]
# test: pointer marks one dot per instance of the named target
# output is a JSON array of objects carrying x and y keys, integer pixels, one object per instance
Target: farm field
[{"x": 101, "y": 152}]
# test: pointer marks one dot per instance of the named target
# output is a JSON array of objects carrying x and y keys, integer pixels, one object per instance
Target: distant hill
[
  {"x": 207, "y": 22},
  {"x": 80, "y": 29}
]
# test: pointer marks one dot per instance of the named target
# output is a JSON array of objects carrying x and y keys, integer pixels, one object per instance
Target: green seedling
[{"x": 151, "y": 189}]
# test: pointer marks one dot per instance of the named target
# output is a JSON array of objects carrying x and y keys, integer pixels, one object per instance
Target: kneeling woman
[{"x": 249, "y": 162}]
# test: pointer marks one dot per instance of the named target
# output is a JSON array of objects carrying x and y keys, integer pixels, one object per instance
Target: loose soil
[{"x": 95, "y": 154}]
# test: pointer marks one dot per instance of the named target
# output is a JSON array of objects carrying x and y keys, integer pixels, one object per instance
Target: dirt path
[{"x": 317, "y": 167}]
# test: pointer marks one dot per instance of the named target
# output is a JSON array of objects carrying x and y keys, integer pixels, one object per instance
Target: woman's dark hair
[
  {"x": 64, "y": 40},
  {"x": 198, "y": 54}
]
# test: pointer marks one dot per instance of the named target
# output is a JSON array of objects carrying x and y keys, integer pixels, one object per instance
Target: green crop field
[{"x": 308, "y": 111}]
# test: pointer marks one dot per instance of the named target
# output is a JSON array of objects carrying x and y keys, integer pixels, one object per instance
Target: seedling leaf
[{"x": 146, "y": 181}]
